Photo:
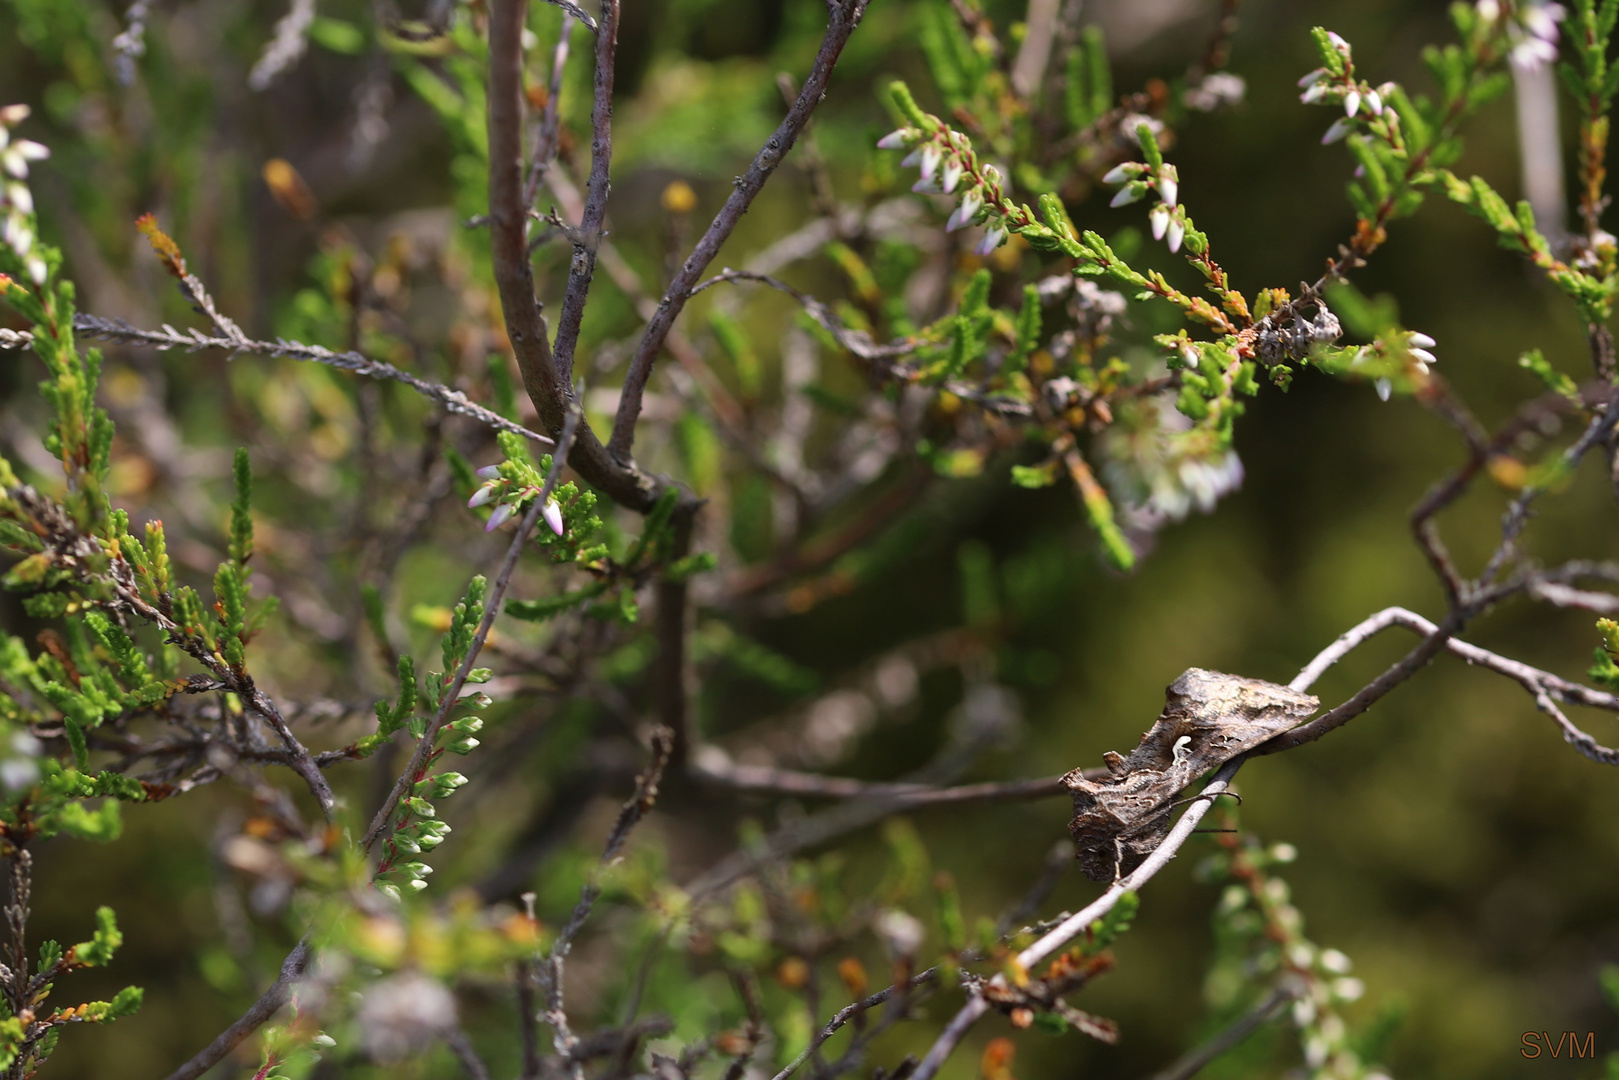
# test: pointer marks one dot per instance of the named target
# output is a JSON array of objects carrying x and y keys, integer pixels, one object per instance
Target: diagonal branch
[
  {"x": 846, "y": 15},
  {"x": 452, "y": 692},
  {"x": 583, "y": 267},
  {"x": 292, "y": 969}
]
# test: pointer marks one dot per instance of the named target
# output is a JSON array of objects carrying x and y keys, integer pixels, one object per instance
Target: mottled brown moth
[{"x": 1208, "y": 719}]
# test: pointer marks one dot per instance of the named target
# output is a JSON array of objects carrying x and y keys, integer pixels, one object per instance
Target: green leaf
[{"x": 98, "y": 951}]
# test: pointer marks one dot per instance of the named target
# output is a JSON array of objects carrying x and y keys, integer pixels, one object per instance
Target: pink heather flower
[
  {"x": 553, "y": 516},
  {"x": 971, "y": 203},
  {"x": 951, "y": 176},
  {"x": 1313, "y": 77},
  {"x": 932, "y": 158},
  {"x": 482, "y": 496},
  {"x": 896, "y": 140},
  {"x": 489, "y": 472},
  {"x": 992, "y": 240},
  {"x": 502, "y": 514},
  {"x": 1338, "y": 130}
]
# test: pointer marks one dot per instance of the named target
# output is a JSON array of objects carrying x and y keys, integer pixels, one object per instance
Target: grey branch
[
  {"x": 292, "y": 969},
  {"x": 577, "y": 12},
  {"x": 168, "y": 337},
  {"x": 1191, "y": 1063}
]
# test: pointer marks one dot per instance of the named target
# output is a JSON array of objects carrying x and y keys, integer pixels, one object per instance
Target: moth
[{"x": 1208, "y": 719}]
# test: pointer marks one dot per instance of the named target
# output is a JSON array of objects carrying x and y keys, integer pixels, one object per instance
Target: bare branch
[
  {"x": 514, "y": 276},
  {"x": 576, "y": 12},
  {"x": 759, "y": 778},
  {"x": 268, "y": 1004},
  {"x": 545, "y": 134},
  {"x": 845, "y": 16},
  {"x": 583, "y": 267},
  {"x": 1188, "y": 1065},
  {"x": 169, "y": 338}
]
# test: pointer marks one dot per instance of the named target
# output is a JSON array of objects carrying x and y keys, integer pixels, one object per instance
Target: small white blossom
[
  {"x": 1338, "y": 130},
  {"x": 971, "y": 203},
  {"x": 1175, "y": 234},
  {"x": 1129, "y": 193},
  {"x": 992, "y": 240},
  {"x": 502, "y": 514},
  {"x": 1159, "y": 220},
  {"x": 1129, "y": 170},
  {"x": 1352, "y": 103},
  {"x": 1334, "y": 961},
  {"x": 896, "y": 140},
  {"x": 951, "y": 175},
  {"x": 1169, "y": 184},
  {"x": 553, "y": 516},
  {"x": 1374, "y": 103}
]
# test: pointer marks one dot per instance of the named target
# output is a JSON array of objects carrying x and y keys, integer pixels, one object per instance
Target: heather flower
[{"x": 16, "y": 201}]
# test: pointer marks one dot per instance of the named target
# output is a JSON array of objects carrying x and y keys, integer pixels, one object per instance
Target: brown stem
[{"x": 514, "y": 277}]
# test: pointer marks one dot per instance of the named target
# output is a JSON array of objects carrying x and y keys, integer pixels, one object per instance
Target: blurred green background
[{"x": 1449, "y": 842}]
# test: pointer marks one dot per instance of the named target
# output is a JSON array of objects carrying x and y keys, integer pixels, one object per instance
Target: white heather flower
[
  {"x": 1338, "y": 42},
  {"x": 1488, "y": 10},
  {"x": 1315, "y": 93},
  {"x": 1129, "y": 170},
  {"x": 1374, "y": 102},
  {"x": 901, "y": 932},
  {"x": 971, "y": 203},
  {"x": 1159, "y": 220},
  {"x": 1334, "y": 961},
  {"x": 932, "y": 158},
  {"x": 1384, "y": 388},
  {"x": 1129, "y": 193},
  {"x": 481, "y": 496},
  {"x": 1175, "y": 234},
  {"x": 896, "y": 140},
  {"x": 1352, "y": 103},
  {"x": 993, "y": 238},
  {"x": 911, "y": 160},
  {"x": 15, "y": 158},
  {"x": 489, "y": 472},
  {"x": 1338, "y": 130},
  {"x": 951, "y": 176},
  {"x": 553, "y": 516},
  {"x": 1168, "y": 184}
]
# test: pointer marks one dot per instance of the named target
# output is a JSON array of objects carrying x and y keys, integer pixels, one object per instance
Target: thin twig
[
  {"x": 461, "y": 1046},
  {"x": 766, "y": 780},
  {"x": 545, "y": 134},
  {"x": 583, "y": 267},
  {"x": 845, "y": 16},
  {"x": 169, "y": 338},
  {"x": 1191, "y": 1063},
  {"x": 576, "y": 12},
  {"x": 268, "y": 1004},
  {"x": 452, "y": 692}
]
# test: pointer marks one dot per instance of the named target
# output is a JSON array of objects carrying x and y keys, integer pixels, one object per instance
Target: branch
[
  {"x": 583, "y": 267},
  {"x": 1546, "y": 688},
  {"x": 846, "y": 15},
  {"x": 514, "y": 276},
  {"x": 1071, "y": 927},
  {"x": 292, "y": 969},
  {"x": 759, "y": 778},
  {"x": 545, "y": 134},
  {"x": 454, "y": 401},
  {"x": 579, "y": 13},
  {"x": 1191, "y": 1063},
  {"x": 452, "y": 692}
]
